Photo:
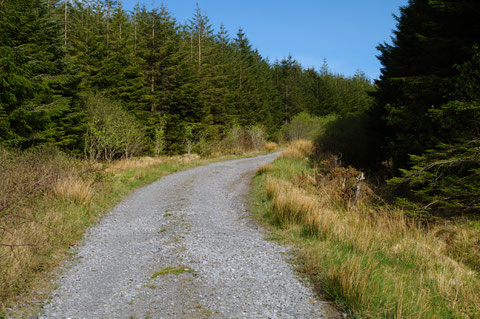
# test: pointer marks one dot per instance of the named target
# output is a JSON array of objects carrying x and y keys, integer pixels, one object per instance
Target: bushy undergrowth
[
  {"x": 48, "y": 199},
  {"x": 306, "y": 126},
  {"x": 44, "y": 205},
  {"x": 372, "y": 260}
]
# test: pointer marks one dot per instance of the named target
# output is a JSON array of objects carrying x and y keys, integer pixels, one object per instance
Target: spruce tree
[
  {"x": 37, "y": 89},
  {"x": 427, "y": 106},
  {"x": 431, "y": 37}
]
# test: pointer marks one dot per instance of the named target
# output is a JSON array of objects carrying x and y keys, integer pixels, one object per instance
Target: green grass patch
[
  {"x": 150, "y": 286},
  {"x": 172, "y": 271}
]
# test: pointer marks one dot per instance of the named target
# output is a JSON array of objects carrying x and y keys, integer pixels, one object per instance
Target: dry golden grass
[
  {"x": 31, "y": 227},
  {"x": 132, "y": 163},
  {"x": 74, "y": 188},
  {"x": 298, "y": 149},
  {"x": 270, "y": 146},
  {"x": 371, "y": 233},
  {"x": 147, "y": 161},
  {"x": 381, "y": 263}
]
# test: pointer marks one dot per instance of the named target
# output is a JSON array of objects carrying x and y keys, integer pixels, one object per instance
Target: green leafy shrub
[
  {"x": 304, "y": 126},
  {"x": 112, "y": 132},
  {"x": 256, "y": 135},
  {"x": 241, "y": 139}
]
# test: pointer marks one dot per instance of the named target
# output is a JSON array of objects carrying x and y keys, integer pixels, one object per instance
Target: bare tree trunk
[
  {"x": 135, "y": 35},
  {"x": 191, "y": 46},
  {"x": 153, "y": 23},
  {"x": 120, "y": 27},
  {"x": 66, "y": 18},
  {"x": 108, "y": 28},
  {"x": 199, "y": 48},
  {"x": 152, "y": 79},
  {"x": 87, "y": 26}
]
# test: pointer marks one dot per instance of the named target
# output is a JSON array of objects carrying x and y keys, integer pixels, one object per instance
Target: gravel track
[{"x": 196, "y": 222}]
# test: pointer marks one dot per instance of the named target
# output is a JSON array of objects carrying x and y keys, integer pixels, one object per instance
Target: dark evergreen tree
[
  {"x": 427, "y": 106},
  {"x": 37, "y": 87},
  {"x": 431, "y": 37}
]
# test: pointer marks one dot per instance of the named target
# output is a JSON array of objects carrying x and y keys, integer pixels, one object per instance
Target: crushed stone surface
[{"x": 184, "y": 247}]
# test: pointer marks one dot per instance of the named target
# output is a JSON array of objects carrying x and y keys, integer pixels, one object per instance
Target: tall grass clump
[
  {"x": 36, "y": 186},
  {"x": 298, "y": 149},
  {"x": 371, "y": 259}
]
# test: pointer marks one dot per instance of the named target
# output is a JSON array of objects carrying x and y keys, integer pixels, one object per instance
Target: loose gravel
[{"x": 184, "y": 247}]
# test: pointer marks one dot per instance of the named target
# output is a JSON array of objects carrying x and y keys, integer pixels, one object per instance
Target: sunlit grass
[{"x": 373, "y": 261}]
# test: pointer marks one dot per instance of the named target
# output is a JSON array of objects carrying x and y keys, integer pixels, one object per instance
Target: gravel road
[{"x": 184, "y": 247}]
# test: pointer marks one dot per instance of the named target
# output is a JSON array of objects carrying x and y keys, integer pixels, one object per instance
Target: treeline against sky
[
  {"x": 94, "y": 80},
  {"x": 75, "y": 73}
]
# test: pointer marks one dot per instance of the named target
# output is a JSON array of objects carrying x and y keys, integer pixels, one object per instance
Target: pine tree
[{"x": 288, "y": 77}]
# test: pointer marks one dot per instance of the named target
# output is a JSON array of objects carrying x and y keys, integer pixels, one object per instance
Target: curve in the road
[{"x": 183, "y": 247}]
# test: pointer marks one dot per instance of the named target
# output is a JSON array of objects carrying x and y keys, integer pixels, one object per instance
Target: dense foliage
[
  {"x": 427, "y": 105},
  {"x": 182, "y": 83}
]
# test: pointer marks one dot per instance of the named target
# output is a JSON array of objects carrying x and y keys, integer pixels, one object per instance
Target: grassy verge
[
  {"x": 49, "y": 199},
  {"x": 372, "y": 261}
]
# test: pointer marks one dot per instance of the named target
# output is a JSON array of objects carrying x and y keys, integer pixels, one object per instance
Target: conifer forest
[
  {"x": 94, "y": 80},
  {"x": 67, "y": 66},
  {"x": 87, "y": 83}
]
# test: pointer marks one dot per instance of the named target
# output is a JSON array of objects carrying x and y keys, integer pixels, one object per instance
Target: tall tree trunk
[
  {"x": 199, "y": 48},
  {"x": 152, "y": 79},
  {"x": 87, "y": 27},
  {"x": 191, "y": 46},
  {"x": 121, "y": 24},
  {"x": 108, "y": 28},
  {"x": 66, "y": 20},
  {"x": 135, "y": 35}
]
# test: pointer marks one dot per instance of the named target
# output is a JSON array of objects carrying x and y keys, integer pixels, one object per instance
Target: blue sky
[{"x": 345, "y": 32}]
